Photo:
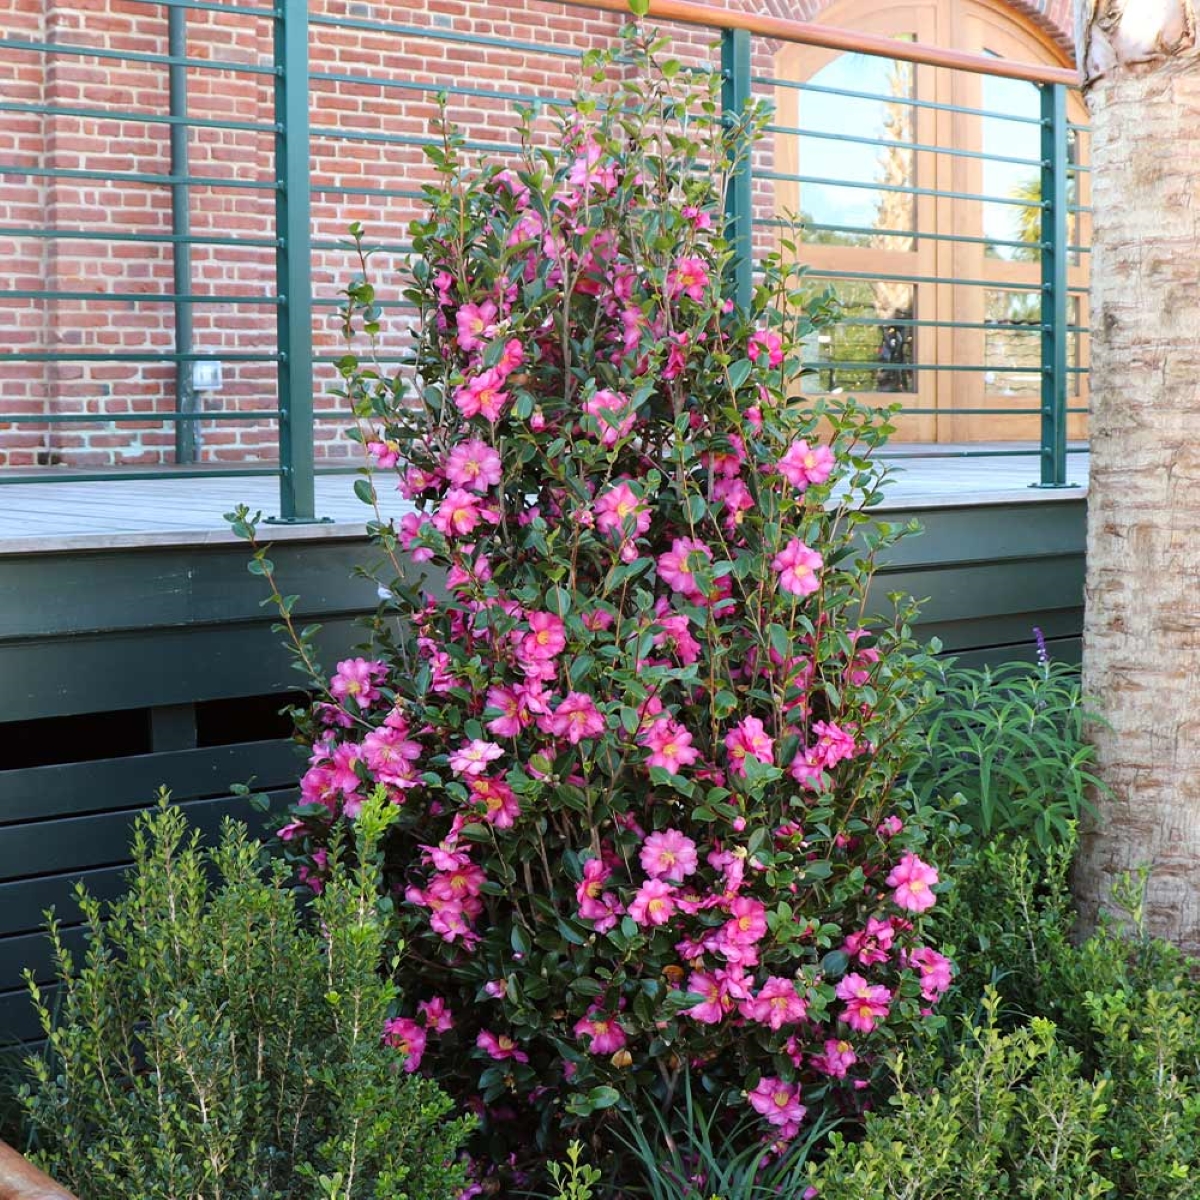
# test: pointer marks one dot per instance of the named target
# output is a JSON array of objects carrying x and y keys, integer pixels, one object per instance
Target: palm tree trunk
[{"x": 1141, "y": 65}]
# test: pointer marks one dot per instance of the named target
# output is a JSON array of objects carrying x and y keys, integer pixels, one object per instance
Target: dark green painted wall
[{"x": 157, "y": 632}]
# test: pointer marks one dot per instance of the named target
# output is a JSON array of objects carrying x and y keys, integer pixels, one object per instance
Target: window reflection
[{"x": 871, "y": 348}]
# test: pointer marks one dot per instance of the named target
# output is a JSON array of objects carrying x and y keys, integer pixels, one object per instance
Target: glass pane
[
  {"x": 1013, "y": 344},
  {"x": 1012, "y": 181},
  {"x": 840, "y": 215},
  {"x": 874, "y": 342}
]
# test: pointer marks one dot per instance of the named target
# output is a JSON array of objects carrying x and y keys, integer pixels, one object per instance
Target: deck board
[{"x": 44, "y": 516}]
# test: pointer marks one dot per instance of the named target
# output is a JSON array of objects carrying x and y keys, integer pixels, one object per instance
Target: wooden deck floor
[{"x": 38, "y": 517}]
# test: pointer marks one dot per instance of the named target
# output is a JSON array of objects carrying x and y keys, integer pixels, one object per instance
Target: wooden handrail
[
  {"x": 828, "y": 37},
  {"x": 21, "y": 1180}
]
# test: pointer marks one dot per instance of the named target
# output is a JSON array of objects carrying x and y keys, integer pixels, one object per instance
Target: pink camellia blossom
[
  {"x": 748, "y": 739},
  {"x": 798, "y": 566},
  {"x": 833, "y": 743},
  {"x": 545, "y": 639},
  {"x": 476, "y": 323},
  {"x": 802, "y": 464},
  {"x": 717, "y": 1003},
  {"x": 605, "y": 1034},
  {"x": 765, "y": 342},
  {"x": 437, "y": 1015},
  {"x": 872, "y": 944},
  {"x": 653, "y": 903},
  {"x": 747, "y": 922},
  {"x": 357, "y": 680},
  {"x": 889, "y": 827},
  {"x": 457, "y": 885},
  {"x": 450, "y": 922},
  {"x": 670, "y": 746},
  {"x": 677, "y": 566},
  {"x": 408, "y": 1038},
  {"x": 385, "y": 452},
  {"x": 482, "y": 396},
  {"x": 836, "y": 1059},
  {"x": 675, "y": 635},
  {"x": 595, "y": 904},
  {"x": 700, "y": 218},
  {"x": 668, "y": 854},
  {"x": 776, "y": 1005},
  {"x": 932, "y": 967},
  {"x": 866, "y": 1003},
  {"x": 500, "y": 805},
  {"x": 473, "y": 464},
  {"x": 510, "y": 722},
  {"x": 621, "y": 513},
  {"x": 689, "y": 277},
  {"x": 458, "y": 513},
  {"x": 290, "y": 830},
  {"x": 512, "y": 356},
  {"x": 500, "y": 1046},
  {"x": 913, "y": 881},
  {"x": 613, "y": 415},
  {"x": 779, "y": 1103},
  {"x": 473, "y": 757},
  {"x": 412, "y": 527},
  {"x": 576, "y": 718}
]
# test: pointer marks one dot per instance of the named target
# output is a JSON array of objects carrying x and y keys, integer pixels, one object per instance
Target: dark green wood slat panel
[
  {"x": 69, "y": 593},
  {"x": 984, "y": 590},
  {"x": 990, "y": 533},
  {"x": 18, "y": 1021},
  {"x": 74, "y": 788},
  {"x": 23, "y": 903},
  {"x": 102, "y": 672},
  {"x": 33, "y": 952},
  {"x": 1065, "y": 650},
  {"x": 1015, "y": 630},
  {"x": 80, "y": 843}
]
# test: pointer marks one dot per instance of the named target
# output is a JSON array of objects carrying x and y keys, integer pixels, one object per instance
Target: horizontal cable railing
[{"x": 169, "y": 300}]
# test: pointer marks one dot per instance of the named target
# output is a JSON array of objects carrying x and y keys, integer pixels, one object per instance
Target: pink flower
[
  {"x": 385, "y": 453},
  {"x": 836, "y": 1059},
  {"x": 545, "y": 639},
  {"x": 500, "y": 805},
  {"x": 482, "y": 396},
  {"x": 670, "y": 746},
  {"x": 473, "y": 757},
  {"x": 873, "y": 944},
  {"x": 613, "y": 415},
  {"x": 802, "y": 465},
  {"x": 576, "y": 718},
  {"x": 458, "y": 513},
  {"x": 457, "y": 885},
  {"x": 476, "y": 323},
  {"x": 408, "y": 1038},
  {"x": 668, "y": 855},
  {"x": 621, "y": 513},
  {"x": 511, "y": 357},
  {"x": 748, "y": 739},
  {"x": 833, "y": 743},
  {"x": 437, "y": 1015},
  {"x": 356, "y": 680},
  {"x": 913, "y": 881},
  {"x": 716, "y": 1003},
  {"x": 678, "y": 565},
  {"x": 780, "y": 1103},
  {"x": 765, "y": 342},
  {"x": 933, "y": 968},
  {"x": 689, "y": 277},
  {"x": 500, "y": 1046},
  {"x": 473, "y": 464},
  {"x": 889, "y": 827},
  {"x": 449, "y": 921},
  {"x": 777, "y": 1004},
  {"x": 865, "y": 1003},
  {"x": 511, "y": 720},
  {"x": 797, "y": 566},
  {"x": 675, "y": 635},
  {"x": 595, "y": 904},
  {"x": 653, "y": 903},
  {"x": 747, "y": 922},
  {"x": 605, "y": 1033}
]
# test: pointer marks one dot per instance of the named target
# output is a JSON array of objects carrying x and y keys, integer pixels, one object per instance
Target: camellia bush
[{"x": 646, "y": 742}]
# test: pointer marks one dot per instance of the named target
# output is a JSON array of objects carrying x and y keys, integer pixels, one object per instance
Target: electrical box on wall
[{"x": 206, "y": 375}]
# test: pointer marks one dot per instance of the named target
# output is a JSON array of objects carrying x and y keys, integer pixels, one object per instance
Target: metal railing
[{"x": 322, "y": 115}]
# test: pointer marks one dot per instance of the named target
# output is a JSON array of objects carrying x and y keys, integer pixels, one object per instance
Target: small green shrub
[
  {"x": 1010, "y": 740},
  {"x": 212, "y": 1045}
]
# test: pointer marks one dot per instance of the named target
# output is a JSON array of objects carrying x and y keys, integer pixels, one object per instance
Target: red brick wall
[{"x": 391, "y": 110}]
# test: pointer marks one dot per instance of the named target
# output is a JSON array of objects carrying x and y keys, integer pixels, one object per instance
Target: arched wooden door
[{"x": 940, "y": 289}]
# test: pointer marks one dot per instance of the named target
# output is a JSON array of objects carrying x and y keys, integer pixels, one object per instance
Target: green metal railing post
[
  {"x": 293, "y": 258},
  {"x": 739, "y": 198},
  {"x": 1055, "y": 253}
]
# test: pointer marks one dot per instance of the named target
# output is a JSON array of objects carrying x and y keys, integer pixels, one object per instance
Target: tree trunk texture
[{"x": 1141, "y": 66}]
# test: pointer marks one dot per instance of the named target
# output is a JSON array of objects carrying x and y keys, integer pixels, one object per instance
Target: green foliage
[
  {"x": 1010, "y": 740},
  {"x": 211, "y": 1044},
  {"x": 574, "y": 1179}
]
